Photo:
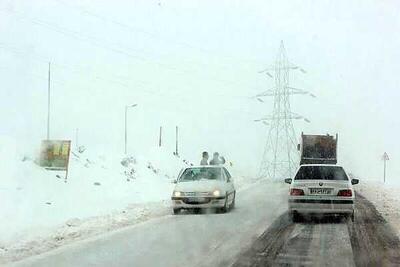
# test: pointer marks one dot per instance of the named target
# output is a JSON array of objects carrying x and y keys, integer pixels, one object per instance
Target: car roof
[{"x": 204, "y": 166}]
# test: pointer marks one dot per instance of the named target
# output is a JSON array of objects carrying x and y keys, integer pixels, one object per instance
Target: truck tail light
[
  {"x": 296, "y": 192},
  {"x": 345, "y": 193}
]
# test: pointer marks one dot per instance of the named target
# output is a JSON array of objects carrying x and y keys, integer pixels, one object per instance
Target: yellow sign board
[{"x": 54, "y": 154}]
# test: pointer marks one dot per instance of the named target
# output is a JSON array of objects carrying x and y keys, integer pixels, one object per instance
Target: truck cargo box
[{"x": 318, "y": 149}]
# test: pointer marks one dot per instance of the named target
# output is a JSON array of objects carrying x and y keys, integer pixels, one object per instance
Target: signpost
[
  {"x": 54, "y": 155},
  {"x": 385, "y": 158}
]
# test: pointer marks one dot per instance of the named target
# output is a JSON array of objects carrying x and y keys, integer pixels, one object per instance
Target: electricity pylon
[{"x": 280, "y": 154}]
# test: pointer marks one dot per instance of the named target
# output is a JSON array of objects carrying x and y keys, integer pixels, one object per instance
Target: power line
[
  {"x": 150, "y": 34},
  {"x": 103, "y": 44},
  {"x": 178, "y": 97},
  {"x": 142, "y": 85}
]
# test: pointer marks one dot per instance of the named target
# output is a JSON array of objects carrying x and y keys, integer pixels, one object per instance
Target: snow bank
[
  {"x": 103, "y": 192},
  {"x": 43, "y": 210},
  {"x": 385, "y": 197}
]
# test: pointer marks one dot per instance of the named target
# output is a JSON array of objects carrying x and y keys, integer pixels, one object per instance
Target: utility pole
[
  {"x": 176, "y": 141},
  {"x": 126, "y": 125},
  {"x": 159, "y": 140},
  {"x": 48, "y": 105},
  {"x": 385, "y": 158}
]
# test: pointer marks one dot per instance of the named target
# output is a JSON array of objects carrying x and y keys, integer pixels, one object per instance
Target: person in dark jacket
[
  {"x": 204, "y": 159},
  {"x": 217, "y": 160}
]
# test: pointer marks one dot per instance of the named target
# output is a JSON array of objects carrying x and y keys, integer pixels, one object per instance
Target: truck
[{"x": 318, "y": 149}]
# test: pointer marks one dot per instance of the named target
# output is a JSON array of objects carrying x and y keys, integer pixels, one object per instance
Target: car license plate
[
  {"x": 196, "y": 199},
  {"x": 320, "y": 191}
]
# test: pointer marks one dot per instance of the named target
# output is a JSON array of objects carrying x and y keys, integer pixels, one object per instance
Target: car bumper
[
  {"x": 199, "y": 202},
  {"x": 332, "y": 206}
]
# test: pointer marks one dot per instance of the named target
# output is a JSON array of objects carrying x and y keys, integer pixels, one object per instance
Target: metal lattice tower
[{"x": 280, "y": 154}]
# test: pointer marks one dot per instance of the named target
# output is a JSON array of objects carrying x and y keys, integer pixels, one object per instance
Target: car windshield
[
  {"x": 196, "y": 174},
  {"x": 321, "y": 173}
]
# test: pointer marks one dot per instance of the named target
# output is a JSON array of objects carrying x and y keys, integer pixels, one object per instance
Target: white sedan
[
  {"x": 204, "y": 187},
  {"x": 321, "y": 189}
]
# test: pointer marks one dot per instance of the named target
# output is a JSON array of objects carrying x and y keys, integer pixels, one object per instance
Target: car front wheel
[
  {"x": 224, "y": 209},
  {"x": 233, "y": 201}
]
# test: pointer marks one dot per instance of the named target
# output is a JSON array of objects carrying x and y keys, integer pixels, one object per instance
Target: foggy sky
[{"x": 195, "y": 64}]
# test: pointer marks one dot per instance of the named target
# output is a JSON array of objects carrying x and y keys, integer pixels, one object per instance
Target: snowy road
[
  {"x": 183, "y": 240},
  {"x": 257, "y": 233},
  {"x": 369, "y": 241}
]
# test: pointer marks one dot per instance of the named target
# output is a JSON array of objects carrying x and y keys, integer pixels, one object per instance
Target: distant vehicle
[
  {"x": 321, "y": 189},
  {"x": 204, "y": 187},
  {"x": 318, "y": 149}
]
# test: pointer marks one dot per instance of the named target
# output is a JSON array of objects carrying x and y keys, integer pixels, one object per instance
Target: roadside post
[
  {"x": 385, "y": 158},
  {"x": 160, "y": 137}
]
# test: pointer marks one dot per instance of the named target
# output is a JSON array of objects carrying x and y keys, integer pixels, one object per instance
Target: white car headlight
[
  {"x": 177, "y": 193},
  {"x": 216, "y": 193}
]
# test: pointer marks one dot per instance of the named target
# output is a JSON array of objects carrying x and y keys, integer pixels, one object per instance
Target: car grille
[
  {"x": 196, "y": 194},
  {"x": 195, "y": 201}
]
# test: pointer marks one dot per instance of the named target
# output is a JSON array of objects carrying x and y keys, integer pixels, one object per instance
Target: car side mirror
[
  {"x": 175, "y": 181},
  {"x": 288, "y": 180},
  {"x": 354, "y": 181}
]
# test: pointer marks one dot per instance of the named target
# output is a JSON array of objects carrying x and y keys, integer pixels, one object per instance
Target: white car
[
  {"x": 321, "y": 189},
  {"x": 204, "y": 187}
]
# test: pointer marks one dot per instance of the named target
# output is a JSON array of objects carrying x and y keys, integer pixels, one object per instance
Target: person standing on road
[
  {"x": 204, "y": 160},
  {"x": 217, "y": 160}
]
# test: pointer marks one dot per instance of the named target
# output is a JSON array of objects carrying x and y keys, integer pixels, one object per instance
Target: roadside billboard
[{"x": 54, "y": 154}]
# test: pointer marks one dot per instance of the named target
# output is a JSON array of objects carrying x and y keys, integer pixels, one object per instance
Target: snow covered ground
[
  {"x": 102, "y": 193},
  {"x": 211, "y": 239},
  {"x": 385, "y": 197}
]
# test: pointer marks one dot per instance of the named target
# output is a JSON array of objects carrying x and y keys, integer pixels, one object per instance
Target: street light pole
[
  {"x": 126, "y": 125},
  {"x": 176, "y": 141},
  {"x": 48, "y": 105}
]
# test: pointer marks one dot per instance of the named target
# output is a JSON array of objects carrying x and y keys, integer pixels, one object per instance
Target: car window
[
  {"x": 195, "y": 174},
  {"x": 321, "y": 173}
]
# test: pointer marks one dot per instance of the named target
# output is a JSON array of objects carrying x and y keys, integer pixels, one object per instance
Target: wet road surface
[
  {"x": 258, "y": 232},
  {"x": 328, "y": 241},
  {"x": 187, "y": 239}
]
